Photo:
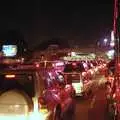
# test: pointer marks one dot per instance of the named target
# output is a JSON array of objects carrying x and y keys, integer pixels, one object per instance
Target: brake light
[
  {"x": 10, "y": 76},
  {"x": 118, "y": 64},
  {"x": 74, "y": 64},
  {"x": 37, "y": 65},
  {"x": 114, "y": 95}
]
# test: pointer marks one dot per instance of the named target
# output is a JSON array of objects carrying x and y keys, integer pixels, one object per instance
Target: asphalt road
[{"x": 93, "y": 108}]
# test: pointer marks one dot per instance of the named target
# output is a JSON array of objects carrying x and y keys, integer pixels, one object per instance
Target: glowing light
[
  {"x": 112, "y": 36},
  {"x": 84, "y": 74},
  {"x": 9, "y": 50},
  {"x": 105, "y": 40},
  {"x": 78, "y": 87},
  {"x": 59, "y": 64},
  {"x": 37, "y": 65},
  {"x": 73, "y": 54},
  {"x": 9, "y": 76},
  {"x": 110, "y": 53},
  {"x": 112, "y": 43}
]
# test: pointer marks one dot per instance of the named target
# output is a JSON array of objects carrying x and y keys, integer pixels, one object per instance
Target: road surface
[{"x": 93, "y": 108}]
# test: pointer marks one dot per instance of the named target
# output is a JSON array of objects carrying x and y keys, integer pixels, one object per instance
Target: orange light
[{"x": 10, "y": 76}]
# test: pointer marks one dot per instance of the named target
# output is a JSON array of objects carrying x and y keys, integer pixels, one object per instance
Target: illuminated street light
[
  {"x": 110, "y": 54},
  {"x": 105, "y": 41}
]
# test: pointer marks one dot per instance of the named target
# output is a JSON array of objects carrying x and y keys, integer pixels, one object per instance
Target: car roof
[{"x": 18, "y": 69}]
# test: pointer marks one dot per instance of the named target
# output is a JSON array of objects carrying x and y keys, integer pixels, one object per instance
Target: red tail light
[
  {"x": 74, "y": 64},
  {"x": 37, "y": 65}
]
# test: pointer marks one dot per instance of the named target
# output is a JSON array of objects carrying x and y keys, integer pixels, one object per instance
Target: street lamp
[{"x": 105, "y": 41}]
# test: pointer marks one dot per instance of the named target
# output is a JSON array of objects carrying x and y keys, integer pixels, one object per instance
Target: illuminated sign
[{"x": 9, "y": 50}]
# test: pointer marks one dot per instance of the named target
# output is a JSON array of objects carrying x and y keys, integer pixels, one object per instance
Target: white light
[
  {"x": 112, "y": 36},
  {"x": 112, "y": 43},
  {"x": 50, "y": 74},
  {"x": 111, "y": 53},
  {"x": 105, "y": 40},
  {"x": 73, "y": 54}
]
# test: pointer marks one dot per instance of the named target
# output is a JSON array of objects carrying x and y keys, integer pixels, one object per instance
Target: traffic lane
[
  {"x": 80, "y": 109},
  {"x": 82, "y": 106},
  {"x": 98, "y": 109},
  {"x": 94, "y": 107},
  {"x": 95, "y": 83},
  {"x": 69, "y": 113}
]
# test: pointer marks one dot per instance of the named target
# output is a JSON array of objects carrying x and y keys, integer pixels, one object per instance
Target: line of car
[{"x": 29, "y": 91}]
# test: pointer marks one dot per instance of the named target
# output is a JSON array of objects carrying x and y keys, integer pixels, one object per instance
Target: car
[
  {"x": 76, "y": 74},
  {"x": 23, "y": 95}
]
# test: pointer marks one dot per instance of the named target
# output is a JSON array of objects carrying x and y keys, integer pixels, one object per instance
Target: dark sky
[{"x": 82, "y": 22}]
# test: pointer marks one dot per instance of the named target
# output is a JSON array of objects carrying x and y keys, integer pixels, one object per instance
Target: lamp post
[{"x": 116, "y": 47}]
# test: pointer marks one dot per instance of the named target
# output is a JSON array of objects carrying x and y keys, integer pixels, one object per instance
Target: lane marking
[{"x": 93, "y": 102}]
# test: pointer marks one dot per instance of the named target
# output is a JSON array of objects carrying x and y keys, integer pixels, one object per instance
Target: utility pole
[
  {"x": 116, "y": 39},
  {"x": 116, "y": 32}
]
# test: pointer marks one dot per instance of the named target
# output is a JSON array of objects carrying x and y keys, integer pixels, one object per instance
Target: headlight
[
  {"x": 13, "y": 117},
  {"x": 31, "y": 116},
  {"x": 37, "y": 116}
]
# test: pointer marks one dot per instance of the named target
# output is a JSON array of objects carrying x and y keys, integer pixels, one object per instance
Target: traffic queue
[
  {"x": 44, "y": 90},
  {"x": 79, "y": 74}
]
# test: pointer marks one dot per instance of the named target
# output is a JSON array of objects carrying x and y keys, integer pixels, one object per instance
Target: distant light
[
  {"x": 112, "y": 44},
  {"x": 105, "y": 40},
  {"x": 73, "y": 54},
  {"x": 37, "y": 65},
  {"x": 110, "y": 54},
  {"x": 50, "y": 74},
  {"x": 112, "y": 36}
]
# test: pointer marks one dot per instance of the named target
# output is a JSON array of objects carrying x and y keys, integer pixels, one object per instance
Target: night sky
[{"x": 81, "y": 22}]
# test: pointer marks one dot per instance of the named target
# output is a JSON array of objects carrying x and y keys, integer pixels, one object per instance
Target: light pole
[{"x": 116, "y": 40}]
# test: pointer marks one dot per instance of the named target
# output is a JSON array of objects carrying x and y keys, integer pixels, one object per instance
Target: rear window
[
  {"x": 76, "y": 81},
  {"x": 77, "y": 67},
  {"x": 22, "y": 82},
  {"x": 70, "y": 78}
]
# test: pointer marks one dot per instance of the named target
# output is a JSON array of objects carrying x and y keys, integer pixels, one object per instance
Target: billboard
[{"x": 9, "y": 50}]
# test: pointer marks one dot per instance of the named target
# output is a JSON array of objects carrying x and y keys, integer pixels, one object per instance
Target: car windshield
[
  {"x": 74, "y": 67},
  {"x": 72, "y": 78},
  {"x": 22, "y": 82},
  {"x": 76, "y": 81}
]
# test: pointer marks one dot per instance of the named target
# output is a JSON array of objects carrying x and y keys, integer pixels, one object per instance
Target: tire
[{"x": 57, "y": 113}]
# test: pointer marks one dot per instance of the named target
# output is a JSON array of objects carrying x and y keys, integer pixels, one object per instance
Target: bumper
[{"x": 31, "y": 116}]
